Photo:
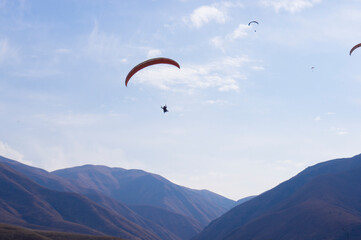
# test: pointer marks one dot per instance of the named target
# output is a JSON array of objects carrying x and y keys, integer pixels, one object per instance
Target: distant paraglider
[
  {"x": 147, "y": 63},
  {"x": 354, "y": 48},
  {"x": 165, "y": 109},
  {"x": 249, "y": 24},
  {"x": 253, "y": 22}
]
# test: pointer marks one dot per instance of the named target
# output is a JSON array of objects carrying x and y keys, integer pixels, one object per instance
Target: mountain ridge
[
  {"x": 137, "y": 187},
  {"x": 159, "y": 226},
  {"x": 321, "y": 202},
  {"x": 31, "y": 205}
]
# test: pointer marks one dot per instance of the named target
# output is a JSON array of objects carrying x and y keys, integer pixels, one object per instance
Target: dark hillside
[
  {"x": 182, "y": 226},
  {"x": 9, "y": 232},
  {"x": 54, "y": 182},
  {"x": 25, "y": 203},
  {"x": 190, "y": 226},
  {"x": 137, "y": 187},
  {"x": 321, "y": 202}
]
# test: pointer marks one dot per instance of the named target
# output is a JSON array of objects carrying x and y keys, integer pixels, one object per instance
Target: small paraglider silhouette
[
  {"x": 312, "y": 68},
  {"x": 249, "y": 24},
  {"x": 164, "y": 108}
]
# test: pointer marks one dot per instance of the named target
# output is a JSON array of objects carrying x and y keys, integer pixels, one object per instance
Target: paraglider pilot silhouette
[{"x": 164, "y": 108}]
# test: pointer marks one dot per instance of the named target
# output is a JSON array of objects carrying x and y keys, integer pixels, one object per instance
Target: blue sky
[{"x": 246, "y": 109}]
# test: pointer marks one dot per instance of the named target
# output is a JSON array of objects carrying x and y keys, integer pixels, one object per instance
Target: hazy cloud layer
[
  {"x": 9, "y": 152},
  {"x": 223, "y": 74},
  {"x": 206, "y": 14},
  {"x": 210, "y": 13},
  {"x": 289, "y": 5},
  {"x": 240, "y": 32}
]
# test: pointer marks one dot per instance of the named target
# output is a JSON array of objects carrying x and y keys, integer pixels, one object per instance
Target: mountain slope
[
  {"x": 40, "y": 176},
  {"x": 55, "y": 182},
  {"x": 161, "y": 231},
  {"x": 243, "y": 200},
  {"x": 25, "y": 203},
  {"x": 182, "y": 226},
  {"x": 8, "y": 232},
  {"x": 321, "y": 202},
  {"x": 52, "y": 181},
  {"x": 137, "y": 187}
]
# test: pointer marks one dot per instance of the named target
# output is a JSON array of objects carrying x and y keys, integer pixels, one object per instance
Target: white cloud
[
  {"x": 216, "y": 12},
  {"x": 257, "y": 68},
  {"x": 154, "y": 53},
  {"x": 206, "y": 14},
  {"x": 239, "y": 32},
  {"x": 223, "y": 74},
  {"x": 9, "y": 152},
  {"x": 289, "y": 5}
]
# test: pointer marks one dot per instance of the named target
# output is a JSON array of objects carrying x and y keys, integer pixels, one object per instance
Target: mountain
[
  {"x": 8, "y": 232},
  {"x": 151, "y": 223},
  {"x": 26, "y": 203},
  {"x": 54, "y": 182},
  {"x": 180, "y": 225},
  {"x": 243, "y": 200},
  {"x": 164, "y": 223},
  {"x": 40, "y": 176},
  {"x": 137, "y": 187},
  {"x": 321, "y": 202}
]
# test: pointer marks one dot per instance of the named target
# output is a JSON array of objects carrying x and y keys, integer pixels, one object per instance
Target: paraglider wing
[
  {"x": 354, "y": 47},
  {"x": 249, "y": 24},
  {"x": 147, "y": 63}
]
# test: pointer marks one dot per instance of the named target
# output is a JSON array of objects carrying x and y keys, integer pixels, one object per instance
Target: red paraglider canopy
[
  {"x": 150, "y": 62},
  {"x": 354, "y": 47}
]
